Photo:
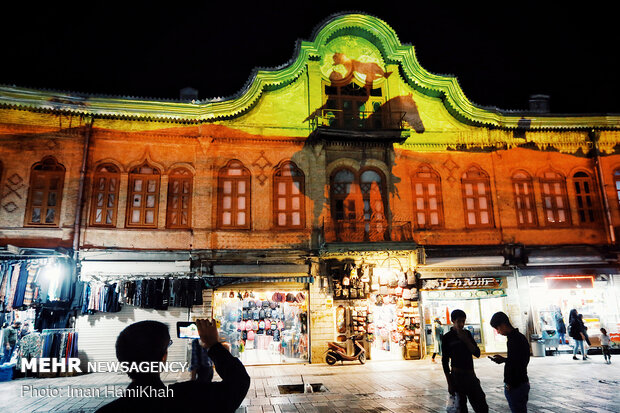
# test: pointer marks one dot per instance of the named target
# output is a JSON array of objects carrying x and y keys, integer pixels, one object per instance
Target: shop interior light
[{"x": 53, "y": 271}]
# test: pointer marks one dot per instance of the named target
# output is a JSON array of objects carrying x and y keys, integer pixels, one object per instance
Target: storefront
[
  {"x": 479, "y": 297},
  {"x": 119, "y": 289},
  {"x": 554, "y": 295},
  {"x": 478, "y": 285},
  {"x": 376, "y": 299},
  {"x": 262, "y": 311}
]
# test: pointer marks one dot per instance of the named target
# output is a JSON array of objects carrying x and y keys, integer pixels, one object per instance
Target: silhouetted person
[
  {"x": 577, "y": 332},
  {"x": 148, "y": 341},
  {"x": 516, "y": 382},
  {"x": 605, "y": 342},
  {"x": 560, "y": 327},
  {"x": 438, "y": 334},
  {"x": 458, "y": 347}
]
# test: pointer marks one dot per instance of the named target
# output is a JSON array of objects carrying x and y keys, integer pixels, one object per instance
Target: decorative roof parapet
[{"x": 377, "y": 31}]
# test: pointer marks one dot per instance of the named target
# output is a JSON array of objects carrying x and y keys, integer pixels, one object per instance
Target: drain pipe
[
  {"x": 80, "y": 194},
  {"x": 609, "y": 227}
]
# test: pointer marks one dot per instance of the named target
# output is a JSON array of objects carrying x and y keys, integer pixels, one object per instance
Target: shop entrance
[
  {"x": 264, "y": 326},
  {"x": 479, "y": 313},
  {"x": 386, "y": 345}
]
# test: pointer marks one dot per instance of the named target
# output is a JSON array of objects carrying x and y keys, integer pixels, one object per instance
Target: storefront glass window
[{"x": 263, "y": 327}]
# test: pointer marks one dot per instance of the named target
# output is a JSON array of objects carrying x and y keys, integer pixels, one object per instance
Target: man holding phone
[
  {"x": 516, "y": 382},
  {"x": 148, "y": 341}
]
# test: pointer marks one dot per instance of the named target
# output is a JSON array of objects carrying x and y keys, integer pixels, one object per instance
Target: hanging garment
[{"x": 20, "y": 289}]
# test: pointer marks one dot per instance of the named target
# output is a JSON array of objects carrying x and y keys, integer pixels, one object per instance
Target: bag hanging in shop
[
  {"x": 251, "y": 335},
  {"x": 300, "y": 297},
  {"x": 402, "y": 280},
  {"x": 365, "y": 274},
  {"x": 406, "y": 294},
  {"x": 410, "y": 277},
  {"x": 290, "y": 298}
]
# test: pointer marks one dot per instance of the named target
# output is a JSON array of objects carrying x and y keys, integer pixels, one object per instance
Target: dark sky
[{"x": 500, "y": 55}]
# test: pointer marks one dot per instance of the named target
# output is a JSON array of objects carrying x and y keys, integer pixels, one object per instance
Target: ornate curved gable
[{"x": 349, "y": 48}]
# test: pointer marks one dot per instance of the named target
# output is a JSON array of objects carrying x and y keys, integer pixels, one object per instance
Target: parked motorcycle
[{"x": 338, "y": 351}]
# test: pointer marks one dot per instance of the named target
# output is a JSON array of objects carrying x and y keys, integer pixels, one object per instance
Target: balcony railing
[
  {"x": 367, "y": 231},
  {"x": 363, "y": 120}
]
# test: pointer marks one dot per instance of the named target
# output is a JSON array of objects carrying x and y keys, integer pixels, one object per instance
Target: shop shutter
[{"x": 98, "y": 332}]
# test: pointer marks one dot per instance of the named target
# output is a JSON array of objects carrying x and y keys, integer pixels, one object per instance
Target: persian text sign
[{"x": 473, "y": 283}]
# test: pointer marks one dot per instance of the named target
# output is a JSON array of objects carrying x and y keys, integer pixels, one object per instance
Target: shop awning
[
  {"x": 216, "y": 282},
  {"x": 545, "y": 270},
  {"x": 144, "y": 268},
  {"x": 260, "y": 269}
]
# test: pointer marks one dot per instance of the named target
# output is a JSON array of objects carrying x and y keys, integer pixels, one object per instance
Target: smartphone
[{"x": 187, "y": 329}]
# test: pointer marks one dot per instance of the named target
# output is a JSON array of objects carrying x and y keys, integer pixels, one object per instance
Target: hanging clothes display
[
  {"x": 102, "y": 297},
  {"x": 162, "y": 293}
]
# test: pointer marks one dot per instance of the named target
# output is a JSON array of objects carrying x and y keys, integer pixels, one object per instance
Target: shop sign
[
  {"x": 570, "y": 282},
  {"x": 473, "y": 283}
]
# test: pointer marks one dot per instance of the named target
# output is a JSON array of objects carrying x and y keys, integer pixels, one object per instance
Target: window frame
[
  {"x": 50, "y": 168},
  {"x": 132, "y": 177},
  {"x": 97, "y": 175},
  {"x": 246, "y": 177},
  {"x": 424, "y": 181},
  {"x": 290, "y": 182},
  {"x": 528, "y": 182},
  {"x": 483, "y": 179},
  {"x": 592, "y": 210},
  {"x": 181, "y": 175},
  {"x": 561, "y": 180}
]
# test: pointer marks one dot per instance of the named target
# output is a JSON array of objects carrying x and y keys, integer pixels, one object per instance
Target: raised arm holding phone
[{"x": 149, "y": 341}]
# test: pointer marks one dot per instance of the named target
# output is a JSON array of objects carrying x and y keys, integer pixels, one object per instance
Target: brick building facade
[{"x": 350, "y": 162}]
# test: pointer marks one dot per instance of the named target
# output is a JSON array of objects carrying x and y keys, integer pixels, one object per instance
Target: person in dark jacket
[
  {"x": 516, "y": 382},
  {"x": 560, "y": 326},
  {"x": 148, "y": 341},
  {"x": 458, "y": 346},
  {"x": 576, "y": 331}
]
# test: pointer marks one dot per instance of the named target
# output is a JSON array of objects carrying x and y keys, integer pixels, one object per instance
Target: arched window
[
  {"x": 288, "y": 196},
  {"x": 342, "y": 196},
  {"x": 584, "y": 195},
  {"x": 427, "y": 201},
  {"x": 104, "y": 201},
  {"x": 234, "y": 196},
  {"x": 477, "y": 198},
  {"x": 555, "y": 201},
  {"x": 179, "y": 205},
  {"x": 373, "y": 193},
  {"x": 143, "y": 196},
  {"x": 525, "y": 203},
  {"x": 45, "y": 193}
]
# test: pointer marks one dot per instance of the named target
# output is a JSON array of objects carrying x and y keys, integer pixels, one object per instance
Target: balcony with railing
[
  {"x": 380, "y": 120},
  {"x": 350, "y": 231}
]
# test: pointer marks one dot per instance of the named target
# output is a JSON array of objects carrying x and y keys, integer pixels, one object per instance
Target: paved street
[{"x": 559, "y": 384}]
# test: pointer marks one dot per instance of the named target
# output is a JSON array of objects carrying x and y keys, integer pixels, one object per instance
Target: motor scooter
[{"x": 338, "y": 351}]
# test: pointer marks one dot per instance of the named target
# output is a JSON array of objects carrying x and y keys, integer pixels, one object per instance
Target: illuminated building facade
[{"x": 351, "y": 180}]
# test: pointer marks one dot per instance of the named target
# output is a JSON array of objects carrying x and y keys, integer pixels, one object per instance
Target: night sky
[{"x": 500, "y": 55}]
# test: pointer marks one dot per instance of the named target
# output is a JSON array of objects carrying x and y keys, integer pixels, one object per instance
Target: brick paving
[{"x": 559, "y": 384}]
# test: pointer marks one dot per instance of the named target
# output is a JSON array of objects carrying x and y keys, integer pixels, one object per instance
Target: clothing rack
[
  {"x": 62, "y": 330},
  {"x": 133, "y": 277}
]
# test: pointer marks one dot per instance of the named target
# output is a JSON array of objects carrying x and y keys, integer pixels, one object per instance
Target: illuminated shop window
[
  {"x": 104, "y": 200},
  {"x": 427, "y": 201},
  {"x": 584, "y": 195},
  {"x": 525, "y": 203},
  {"x": 555, "y": 201},
  {"x": 234, "y": 196},
  {"x": 45, "y": 193},
  {"x": 477, "y": 198},
  {"x": 288, "y": 196},
  {"x": 143, "y": 197},
  {"x": 179, "y": 205}
]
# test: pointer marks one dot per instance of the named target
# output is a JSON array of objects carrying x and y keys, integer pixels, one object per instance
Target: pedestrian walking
[
  {"x": 438, "y": 334},
  {"x": 516, "y": 382},
  {"x": 605, "y": 342},
  {"x": 458, "y": 348},
  {"x": 560, "y": 326},
  {"x": 576, "y": 332}
]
